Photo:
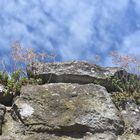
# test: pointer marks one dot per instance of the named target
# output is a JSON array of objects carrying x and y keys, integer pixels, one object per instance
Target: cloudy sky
[{"x": 75, "y": 29}]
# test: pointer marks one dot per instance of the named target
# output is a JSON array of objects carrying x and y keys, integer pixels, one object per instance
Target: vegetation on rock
[
  {"x": 17, "y": 76},
  {"x": 14, "y": 82},
  {"x": 128, "y": 84}
]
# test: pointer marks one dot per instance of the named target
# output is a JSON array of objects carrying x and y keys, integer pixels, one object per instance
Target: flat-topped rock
[
  {"x": 72, "y": 72},
  {"x": 68, "y": 109}
]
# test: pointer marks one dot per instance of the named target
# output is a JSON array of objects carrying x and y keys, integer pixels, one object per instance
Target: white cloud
[
  {"x": 76, "y": 28},
  {"x": 131, "y": 44}
]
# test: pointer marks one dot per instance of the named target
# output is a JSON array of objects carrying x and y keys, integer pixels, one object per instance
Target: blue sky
[{"x": 75, "y": 29}]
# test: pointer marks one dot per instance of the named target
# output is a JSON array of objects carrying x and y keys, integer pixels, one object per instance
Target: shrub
[
  {"x": 13, "y": 84},
  {"x": 3, "y": 78},
  {"x": 126, "y": 81},
  {"x": 17, "y": 77}
]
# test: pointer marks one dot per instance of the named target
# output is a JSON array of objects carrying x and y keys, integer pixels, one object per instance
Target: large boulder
[
  {"x": 73, "y": 72},
  {"x": 66, "y": 109}
]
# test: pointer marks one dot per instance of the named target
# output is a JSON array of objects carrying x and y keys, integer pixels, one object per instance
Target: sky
[{"x": 75, "y": 29}]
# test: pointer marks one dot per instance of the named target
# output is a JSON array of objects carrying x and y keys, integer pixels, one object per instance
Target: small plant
[
  {"x": 20, "y": 58},
  {"x": 117, "y": 84},
  {"x": 23, "y": 56},
  {"x": 14, "y": 82},
  {"x": 127, "y": 81},
  {"x": 3, "y": 78},
  {"x": 25, "y": 81},
  {"x": 136, "y": 96},
  {"x": 120, "y": 98}
]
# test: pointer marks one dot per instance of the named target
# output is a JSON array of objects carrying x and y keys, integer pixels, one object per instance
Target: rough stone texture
[
  {"x": 45, "y": 136},
  {"x": 72, "y": 72},
  {"x": 2, "y": 113},
  {"x": 102, "y": 136},
  {"x": 131, "y": 116},
  {"x": 75, "y": 109},
  {"x": 12, "y": 127},
  {"x": 68, "y": 109},
  {"x": 129, "y": 137}
]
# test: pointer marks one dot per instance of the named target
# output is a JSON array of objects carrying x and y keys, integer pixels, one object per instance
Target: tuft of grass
[
  {"x": 15, "y": 81},
  {"x": 127, "y": 81},
  {"x": 20, "y": 57}
]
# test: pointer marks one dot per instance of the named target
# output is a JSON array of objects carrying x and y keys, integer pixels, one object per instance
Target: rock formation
[{"x": 73, "y": 103}]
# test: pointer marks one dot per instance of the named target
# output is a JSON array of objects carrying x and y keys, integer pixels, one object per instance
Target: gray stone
[
  {"x": 69, "y": 106},
  {"x": 131, "y": 116},
  {"x": 12, "y": 127},
  {"x": 52, "y": 108},
  {"x": 129, "y": 136},
  {"x": 102, "y": 136},
  {"x": 2, "y": 113},
  {"x": 73, "y": 72}
]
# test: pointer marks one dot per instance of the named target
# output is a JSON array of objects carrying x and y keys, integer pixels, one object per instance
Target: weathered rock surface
[
  {"x": 131, "y": 116},
  {"x": 68, "y": 109},
  {"x": 72, "y": 72},
  {"x": 45, "y": 136},
  {"x": 2, "y": 113},
  {"x": 129, "y": 136},
  {"x": 5, "y": 99},
  {"x": 12, "y": 127},
  {"x": 69, "y": 106}
]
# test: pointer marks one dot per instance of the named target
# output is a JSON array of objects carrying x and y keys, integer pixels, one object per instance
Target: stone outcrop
[
  {"x": 73, "y": 103},
  {"x": 79, "y": 72},
  {"x": 131, "y": 116},
  {"x": 68, "y": 108}
]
